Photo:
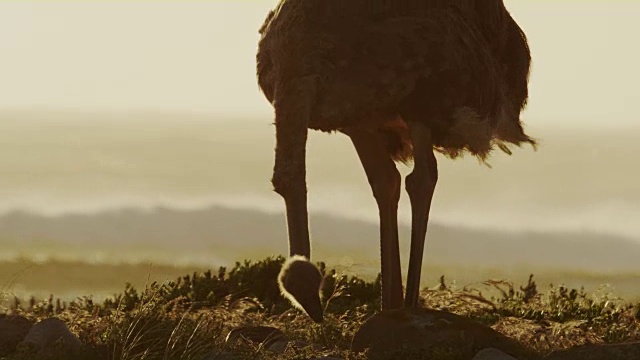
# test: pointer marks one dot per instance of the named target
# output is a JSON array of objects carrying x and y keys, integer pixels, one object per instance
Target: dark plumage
[
  {"x": 401, "y": 78},
  {"x": 463, "y": 64}
]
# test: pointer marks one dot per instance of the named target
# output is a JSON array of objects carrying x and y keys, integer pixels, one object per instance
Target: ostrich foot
[{"x": 300, "y": 281}]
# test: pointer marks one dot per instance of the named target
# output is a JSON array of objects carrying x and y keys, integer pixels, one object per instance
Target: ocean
[{"x": 60, "y": 163}]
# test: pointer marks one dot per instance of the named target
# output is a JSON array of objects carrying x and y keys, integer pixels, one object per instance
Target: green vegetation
[{"x": 190, "y": 317}]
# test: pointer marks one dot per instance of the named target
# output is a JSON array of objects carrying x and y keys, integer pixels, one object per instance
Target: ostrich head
[{"x": 300, "y": 282}]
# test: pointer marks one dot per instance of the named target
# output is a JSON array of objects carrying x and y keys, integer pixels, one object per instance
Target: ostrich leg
[
  {"x": 299, "y": 279},
  {"x": 385, "y": 182},
  {"x": 420, "y": 185}
]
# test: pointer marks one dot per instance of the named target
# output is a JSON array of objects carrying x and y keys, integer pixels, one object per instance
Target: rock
[
  {"x": 52, "y": 336},
  {"x": 280, "y": 346},
  {"x": 623, "y": 351},
  {"x": 427, "y": 333},
  {"x": 492, "y": 354},
  {"x": 271, "y": 339},
  {"x": 255, "y": 334},
  {"x": 220, "y": 355},
  {"x": 13, "y": 329}
]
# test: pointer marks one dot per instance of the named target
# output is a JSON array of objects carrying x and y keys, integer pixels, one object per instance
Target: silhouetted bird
[{"x": 401, "y": 79}]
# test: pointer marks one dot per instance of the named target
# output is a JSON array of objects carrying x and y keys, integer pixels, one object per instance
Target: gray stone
[
  {"x": 220, "y": 355},
  {"x": 424, "y": 333},
  {"x": 622, "y": 351},
  {"x": 280, "y": 346},
  {"x": 13, "y": 329},
  {"x": 270, "y": 338},
  {"x": 255, "y": 334},
  {"x": 52, "y": 336},
  {"x": 492, "y": 354}
]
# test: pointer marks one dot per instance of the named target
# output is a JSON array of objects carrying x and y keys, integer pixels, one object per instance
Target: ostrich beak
[{"x": 313, "y": 307}]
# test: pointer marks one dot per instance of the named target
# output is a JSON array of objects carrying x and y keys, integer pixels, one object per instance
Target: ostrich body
[{"x": 402, "y": 79}]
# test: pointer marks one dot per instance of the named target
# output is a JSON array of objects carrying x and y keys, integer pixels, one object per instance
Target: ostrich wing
[
  {"x": 375, "y": 68},
  {"x": 367, "y": 66}
]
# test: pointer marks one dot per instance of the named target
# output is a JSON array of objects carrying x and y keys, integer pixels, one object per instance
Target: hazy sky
[{"x": 200, "y": 56}]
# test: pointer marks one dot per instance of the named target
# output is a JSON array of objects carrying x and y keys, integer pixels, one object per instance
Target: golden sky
[{"x": 200, "y": 57}]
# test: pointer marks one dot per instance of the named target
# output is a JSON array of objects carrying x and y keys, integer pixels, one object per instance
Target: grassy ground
[
  {"x": 190, "y": 317},
  {"x": 69, "y": 279}
]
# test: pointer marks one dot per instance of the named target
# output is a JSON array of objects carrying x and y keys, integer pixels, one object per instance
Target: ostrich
[{"x": 402, "y": 79}]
